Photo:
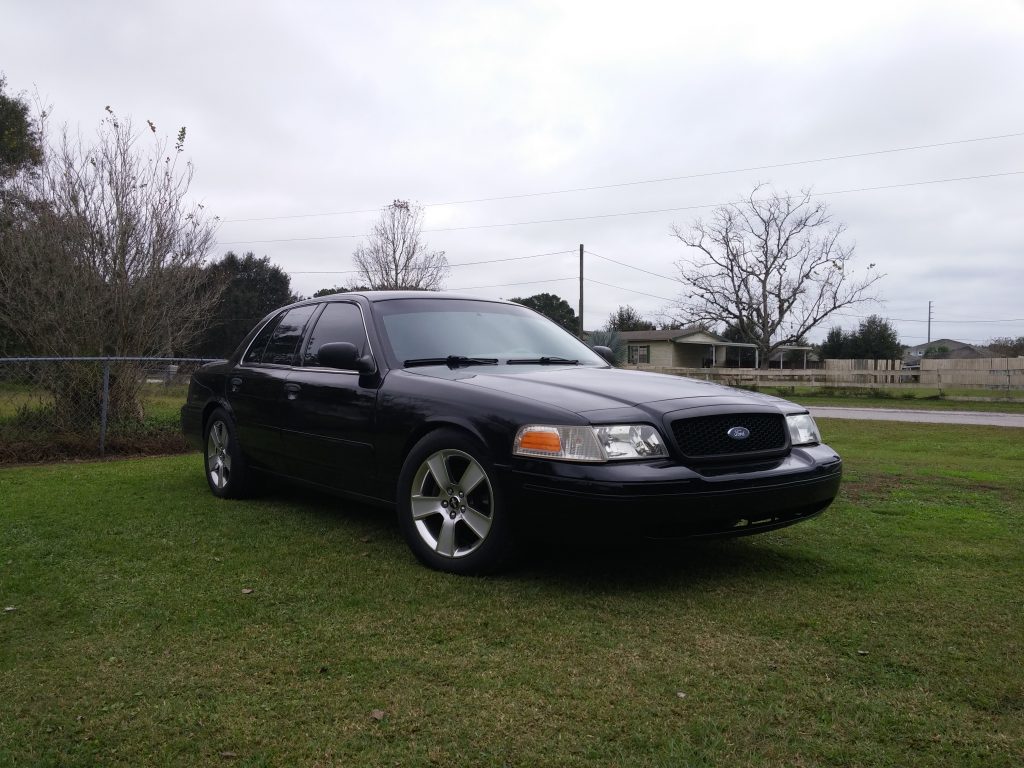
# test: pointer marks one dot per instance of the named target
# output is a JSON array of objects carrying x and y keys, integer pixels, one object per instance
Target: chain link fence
[{"x": 85, "y": 407}]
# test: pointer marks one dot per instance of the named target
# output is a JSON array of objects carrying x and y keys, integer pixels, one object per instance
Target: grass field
[
  {"x": 888, "y": 632},
  {"x": 923, "y": 399}
]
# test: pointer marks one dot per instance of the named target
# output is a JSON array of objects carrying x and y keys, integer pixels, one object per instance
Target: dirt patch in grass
[
  {"x": 872, "y": 487},
  {"x": 71, "y": 446}
]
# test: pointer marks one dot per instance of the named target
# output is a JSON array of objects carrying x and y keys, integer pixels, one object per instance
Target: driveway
[{"x": 920, "y": 417}]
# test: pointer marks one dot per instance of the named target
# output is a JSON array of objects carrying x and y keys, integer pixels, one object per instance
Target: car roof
[{"x": 375, "y": 296}]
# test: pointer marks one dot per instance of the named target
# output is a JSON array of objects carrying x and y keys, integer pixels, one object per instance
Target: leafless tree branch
[
  {"x": 773, "y": 267},
  {"x": 395, "y": 256},
  {"x": 101, "y": 252}
]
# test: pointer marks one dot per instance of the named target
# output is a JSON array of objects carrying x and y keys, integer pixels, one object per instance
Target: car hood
[{"x": 586, "y": 389}]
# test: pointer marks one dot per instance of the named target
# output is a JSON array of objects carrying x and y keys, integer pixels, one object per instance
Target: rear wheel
[
  {"x": 450, "y": 508},
  {"x": 226, "y": 470}
]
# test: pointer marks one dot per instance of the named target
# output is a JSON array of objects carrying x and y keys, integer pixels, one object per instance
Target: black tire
[
  {"x": 459, "y": 523},
  {"x": 223, "y": 462}
]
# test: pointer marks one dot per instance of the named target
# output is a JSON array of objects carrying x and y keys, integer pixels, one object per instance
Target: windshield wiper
[
  {"x": 452, "y": 361},
  {"x": 544, "y": 361}
]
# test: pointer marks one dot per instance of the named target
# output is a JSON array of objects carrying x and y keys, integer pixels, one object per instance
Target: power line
[
  {"x": 641, "y": 293},
  {"x": 638, "y": 269},
  {"x": 323, "y": 271},
  {"x": 510, "y": 258},
  {"x": 457, "y": 264},
  {"x": 505, "y": 285},
  {"x": 646, "y": 212},
  {"x": 912, "y": 320},
  {"x": 1009, "y": 320},
  {"x": 702, "y": 175},
  {"x": 978, "y": 342},
  {"x": 842, "y": 314},
  {"x": 707, "y": 174},
  {"x": 630, "y": 290},
  {"x": 301, "y": 216},
  {"x": 838, "y": 314}
]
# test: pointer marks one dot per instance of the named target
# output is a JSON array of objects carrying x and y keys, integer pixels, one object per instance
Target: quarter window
[
  {"x": 340, "y": 321},
  {"x": 283, "y": 344},
  {"x": 254, "y": 353}
]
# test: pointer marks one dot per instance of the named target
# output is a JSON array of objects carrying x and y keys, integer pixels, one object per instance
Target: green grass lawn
[
  {"x": 914, "y": 399},
  {"x": 916, "y": 404},
  {"x": 888, "y": 632}
]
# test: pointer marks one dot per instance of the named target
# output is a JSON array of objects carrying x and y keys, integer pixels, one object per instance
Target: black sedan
[{"x": 479, "y": 420}]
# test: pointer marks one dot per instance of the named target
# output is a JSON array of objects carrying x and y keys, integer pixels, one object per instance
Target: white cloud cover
[{"x": 298, "y": 107}]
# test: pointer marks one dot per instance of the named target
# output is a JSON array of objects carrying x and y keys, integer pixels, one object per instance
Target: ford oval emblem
[{"x": 738, "y": 433}]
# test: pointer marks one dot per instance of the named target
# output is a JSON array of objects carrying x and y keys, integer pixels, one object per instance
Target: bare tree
[
  {"x": 395, "y": 256},
  {"x": 771, "y": 267},
  {"x": 101, "y": 253}
]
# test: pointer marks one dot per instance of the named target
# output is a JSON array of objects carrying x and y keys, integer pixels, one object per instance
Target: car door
[
  {"x": 256, "y": 387},
  {"x": 330, "y": 413}
]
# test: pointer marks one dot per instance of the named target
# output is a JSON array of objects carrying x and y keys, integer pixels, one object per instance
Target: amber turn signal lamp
[{"x": 535, "y": 440}]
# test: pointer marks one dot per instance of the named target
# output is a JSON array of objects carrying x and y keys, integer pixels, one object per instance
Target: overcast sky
[{"x": 311, "y": 108}]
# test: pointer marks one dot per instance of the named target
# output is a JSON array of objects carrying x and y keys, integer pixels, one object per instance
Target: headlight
[
  {"x": 630, "y": 441},
  {"x": 604, "y": 443},
  {"x": 802, "y": 429}
]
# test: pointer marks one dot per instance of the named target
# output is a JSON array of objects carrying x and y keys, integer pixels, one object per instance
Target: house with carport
[{"x": 695, "y": 348}]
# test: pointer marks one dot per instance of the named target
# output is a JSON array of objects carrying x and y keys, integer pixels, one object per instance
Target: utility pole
[
  {"x": 929, "y": 321},
  {"x": 581, "y": 290}
]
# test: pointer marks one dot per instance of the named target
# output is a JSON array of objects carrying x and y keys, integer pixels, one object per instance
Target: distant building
[
  {"x": 698, "y": 348},
  {"x": 943, "y": 349}
]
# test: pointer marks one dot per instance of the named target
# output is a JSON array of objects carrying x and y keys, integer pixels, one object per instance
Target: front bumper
[{"x": 666, "y": 498}]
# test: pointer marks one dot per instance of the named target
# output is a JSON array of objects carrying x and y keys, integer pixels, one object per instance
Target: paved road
[{"x": 921, "y": 417}]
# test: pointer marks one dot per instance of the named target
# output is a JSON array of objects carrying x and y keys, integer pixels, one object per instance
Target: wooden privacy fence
[
  {"x": 984, "y": 373},
  {"x": 747, "y": 377},
  {"x": 869, "y": 372}
]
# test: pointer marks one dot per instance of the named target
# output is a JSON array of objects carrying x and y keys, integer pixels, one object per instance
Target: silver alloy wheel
[
  {"x": 218, "y": 458},
  {"x": 452, "y": 503}
]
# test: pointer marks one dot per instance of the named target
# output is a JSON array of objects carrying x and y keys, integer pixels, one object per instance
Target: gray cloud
[{"x": 311, "y": 107}]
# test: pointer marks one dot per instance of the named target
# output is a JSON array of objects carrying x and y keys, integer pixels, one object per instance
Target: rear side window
[
  {"x": 255, "y": 351},
  {"x": 338, "y": 322},
  {"x": 284, "y": 342}
]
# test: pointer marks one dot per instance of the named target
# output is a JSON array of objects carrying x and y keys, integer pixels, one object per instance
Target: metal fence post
[{"x": 104, "y": 405}]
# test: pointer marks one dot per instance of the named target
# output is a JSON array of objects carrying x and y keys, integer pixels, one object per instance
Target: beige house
[{"x": 691, "y": 348}]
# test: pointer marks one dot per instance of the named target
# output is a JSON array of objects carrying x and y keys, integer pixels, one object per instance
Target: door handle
[
  {"x": 236, "y": 382},
  {"x": 292, "y": 391}
]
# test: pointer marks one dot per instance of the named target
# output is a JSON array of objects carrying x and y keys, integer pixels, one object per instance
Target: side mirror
[
  {"x": 344, "y": 356},
  {"x": 606, "y": 353}
]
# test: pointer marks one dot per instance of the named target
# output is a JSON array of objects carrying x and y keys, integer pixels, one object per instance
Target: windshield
[{"x": 420, "y": 329}]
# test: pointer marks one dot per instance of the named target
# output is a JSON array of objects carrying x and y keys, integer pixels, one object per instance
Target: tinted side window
[
  {"x": 339, "y": 322},
  {"x": 255, "y": 351},
  {"x": 282, "y": 345}
]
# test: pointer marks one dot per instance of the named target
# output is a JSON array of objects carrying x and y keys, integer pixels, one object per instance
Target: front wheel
[{"x": 450, "y": 509}]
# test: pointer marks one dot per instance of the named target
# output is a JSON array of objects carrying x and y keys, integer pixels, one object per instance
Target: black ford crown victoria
[{"x": 474, "y": 416}]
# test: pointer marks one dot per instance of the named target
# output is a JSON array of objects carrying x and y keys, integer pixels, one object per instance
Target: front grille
[{"x": 704, "y": 437}]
